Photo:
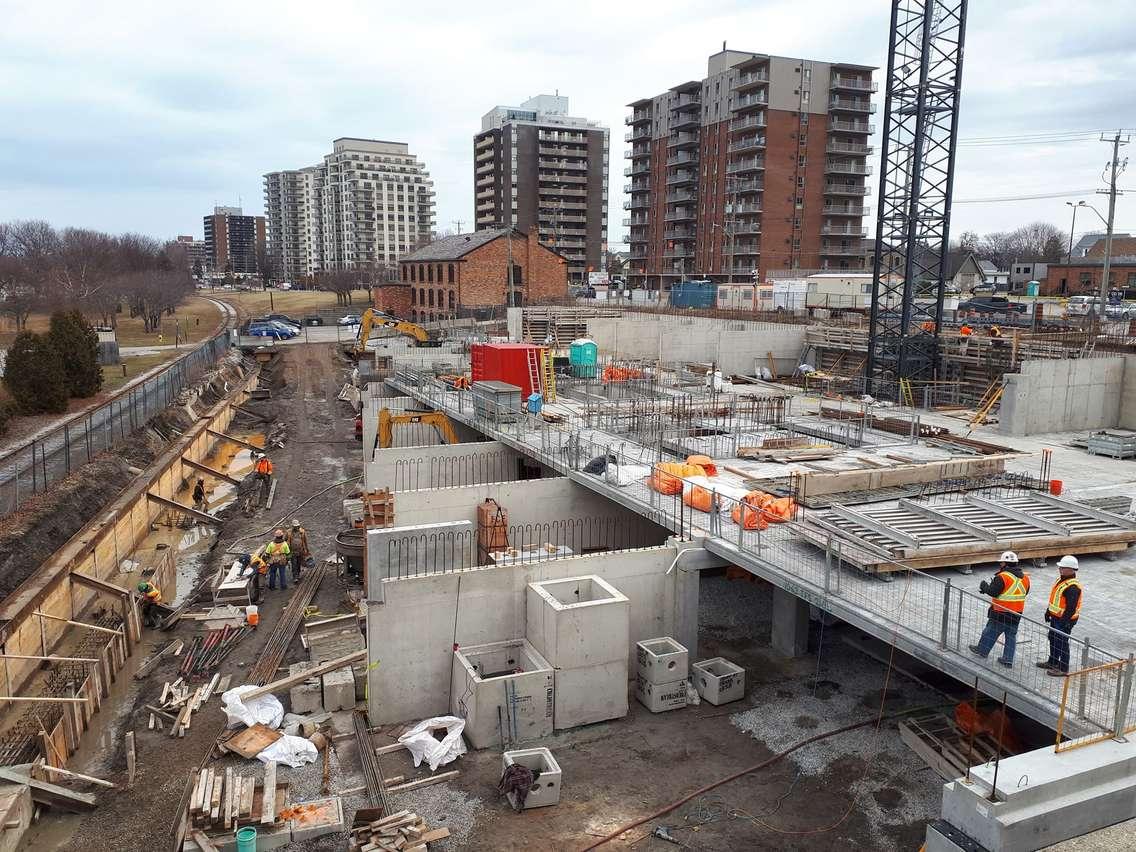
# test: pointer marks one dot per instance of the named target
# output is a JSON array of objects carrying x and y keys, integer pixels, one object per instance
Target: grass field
[
  {"x": 293, "y": 302},
  {"x": 196, "y": 318},
  {"x": 135, "y": 366}
]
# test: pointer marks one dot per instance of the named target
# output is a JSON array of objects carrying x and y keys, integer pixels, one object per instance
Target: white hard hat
[
  {"x": 1009, "y": 557},
  {"x": 296, "y": 522},
  {"x": 1068, "y": 562}
]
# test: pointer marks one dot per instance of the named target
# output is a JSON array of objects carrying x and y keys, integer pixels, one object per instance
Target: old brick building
[
  {"x": 1083, "y": 277},
  {"x": 468, "y": 274}
]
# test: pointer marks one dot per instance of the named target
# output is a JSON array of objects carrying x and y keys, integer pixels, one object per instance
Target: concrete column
[{"x": 790, "y": 624}]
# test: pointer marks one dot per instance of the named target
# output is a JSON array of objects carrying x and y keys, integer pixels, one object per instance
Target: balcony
[
  {"x": 484, "y": 205},
  {"x": 637, "y": 151},
  {"x": 638, "y": 254},
  {"x": 750, "y": 121},
  {"x": 741, "y": 187},
  {"x": 680, "y": 214},
  {"x": 484, "y": 169},
  {"x": 746, "y": 164},
  {"x": 853, "y": 84},
  {"x": 681, "y": 196},
  {"x": 845, "y": 189},
  {"x": 680, "y": 233},
  {"x": 638, "y": 116},
  {"x": 841, "y": 167},
  {"x": 748, "y": 228},
  {"x": 849, "y": 148},
  {"x": 849, "y": 126},
  {"x": 682, "y": 177},
  {"x": 747, "y": 143},
  {"x": 683, "y": 139},
  {"x": 640, "y": 201},
  {"x": 852, "y": 105},
  {"x": 556, "y": 177},
  {"x": 561, "y": 136},
  {"x": 754, "y": 99},
  {"x": 745, "y": 248},
  {"x": 750, "y": 79},
  {"x": 682, "y": 158},
  {"x": 637, "y": 186},
  {"x": 844, "y": 210},
  {"x": 557, "y": 193},
  {"x": 686, "y": 102},
  {"x": 843, "y": 230},
  {"x": 850, "y": 250},
  {"x": 641, "y": 131},
  {"x": 635, "y": 221},
  {"x": 484, "y": 156},
  {"x": 743, "y": 209},
  {"x": 678, "y": 251},
  {"x": 580, "y": 165},
  {"x": 639, "y": 167}
]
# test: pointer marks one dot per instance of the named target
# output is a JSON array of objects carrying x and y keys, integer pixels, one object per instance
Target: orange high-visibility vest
[
  {"x": 1013, "y": 597},
  {"x": 152, "y": 596},
  {"x": 264, "y": 466},
  {"x": 1057, "y": 595}
]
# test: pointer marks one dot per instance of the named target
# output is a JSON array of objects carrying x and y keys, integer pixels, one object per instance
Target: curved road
[{"x": 72, "y": 442}]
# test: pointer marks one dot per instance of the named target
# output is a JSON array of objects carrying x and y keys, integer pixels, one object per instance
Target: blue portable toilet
[
  {"x": 583, "y": 354},
  {"x": 536, "y": 402}
]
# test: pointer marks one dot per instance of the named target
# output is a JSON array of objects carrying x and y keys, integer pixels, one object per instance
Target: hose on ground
[{"x": 295, "y": 510}]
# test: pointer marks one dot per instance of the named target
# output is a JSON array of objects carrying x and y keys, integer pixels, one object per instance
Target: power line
[
  {"x": 1069, "y": 193},
  {"x": 1043, "y": 134}
]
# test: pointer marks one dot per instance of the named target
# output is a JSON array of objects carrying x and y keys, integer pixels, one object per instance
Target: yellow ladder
[
  {"x": 906, "y": 396},
  {"x": 986, "y": 404},
  {"x": 549, "y": 375}
]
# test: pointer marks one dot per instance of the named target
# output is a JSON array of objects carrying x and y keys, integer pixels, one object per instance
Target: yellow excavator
[
  {"x": 372, "y": 318},
  {"x": 439, "y": 421}
]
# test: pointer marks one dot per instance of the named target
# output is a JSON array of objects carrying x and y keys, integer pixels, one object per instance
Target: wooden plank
[
  {"x": 425, "y": 782},
  {"x": 189, "y": 510},
  {"x": 268, "y": 798},
  {"x": 292, "y": 680},
  {"x": 217, "y": 797},
  {"x": 240, "y": 441},
  {"x": 44, "y": 699},
  {"x": 227, "y": 810},
  {"x": 436, "y": 834},
  {"x": 203, "y": 842},
  {"x": 84, "y": 624},
  {"x": 252, "y": 741},
  {"x": 51, "y": 794},
  {"x": 130, "y": 759},
  {"x": 204, "y": 468},
  {"x": 58, "y": 770},
  {"x": 49, "y": 658}
]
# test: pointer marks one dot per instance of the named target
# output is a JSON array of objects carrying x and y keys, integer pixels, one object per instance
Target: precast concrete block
[
  {"x": 578, "y": 621},
  {"x": 590, "y": 694},
  {"x": 662, "y": 660},
  {"x": 545, "y": 790},
  {"x": 719, "y": 681},
  {"x": 306, "y": 697},
  {"x": 319, "y": 817},
  {"x": 502, "y": 683},
  {"x": 660, "y": 697},
  {"x": 339, "y": 690}
]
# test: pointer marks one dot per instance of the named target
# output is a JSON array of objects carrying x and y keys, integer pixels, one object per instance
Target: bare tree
[
  {"x": 341, "y": 283},
  {"x": 27, "y": 255}
]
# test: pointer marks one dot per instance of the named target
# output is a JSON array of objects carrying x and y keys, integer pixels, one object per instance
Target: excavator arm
[
  {"x": 439, "y": 421},
  {"x": 372, "y": 318}
]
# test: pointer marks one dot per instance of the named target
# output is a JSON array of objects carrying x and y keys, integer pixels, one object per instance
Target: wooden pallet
[{"x": 944, "y": 746}]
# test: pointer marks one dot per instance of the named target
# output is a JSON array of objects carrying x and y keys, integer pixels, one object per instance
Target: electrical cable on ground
[{"x": 295, "y": 510}]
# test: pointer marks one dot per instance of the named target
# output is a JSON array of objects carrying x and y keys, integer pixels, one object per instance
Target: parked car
[
  {"x": 282, "y": 318},
  {"x": 284, "y": 285},
  {"x": 275, "y": 330},
  {"x": 1119, "y": 312},
  {"x": 350, "y": 319},
  {"x": 990, "y": 305},
  {"x": 1080, "y": 306}
]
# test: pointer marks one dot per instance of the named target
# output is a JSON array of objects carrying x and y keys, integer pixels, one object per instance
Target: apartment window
[
  {"x": 451, "y": 275},
  {"x": 413, "y": 277},
  {"x": 453, "y": 299},
  {"x": 865, "y": 289},
  {"x": 805, "y": 96},
  {"x": 796, "y": 223},
  {"x": 413, "y": 296},
  {"x": 1086, "y": 278},
  {"x": 804, "y": 118},
  {"x": 808, "y": 73},
  {"x": 431, "y": 294},
  {"x": 801, "y": 159},
  {"x": 800, "y": 201},
  {"x": 800, "y": 182}
]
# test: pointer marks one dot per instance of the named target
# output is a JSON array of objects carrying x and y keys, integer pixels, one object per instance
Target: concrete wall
[
  {"x": 409, "y": 675},
  {"x": 1128, "y": 394},
  {"x": 411, "y": 468},
  {"x": 733, "y": 344},
  {"x": 1063, "y": 395}
]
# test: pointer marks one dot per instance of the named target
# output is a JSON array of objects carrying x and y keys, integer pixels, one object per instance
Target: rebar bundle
[
  {"x": 372, "y": 768},
  {"x": 206, "y": 652},
  {"x": 285, "y": 630}
]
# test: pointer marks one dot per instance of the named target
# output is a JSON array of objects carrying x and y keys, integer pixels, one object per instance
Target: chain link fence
[{"x": 31, "y": 468}]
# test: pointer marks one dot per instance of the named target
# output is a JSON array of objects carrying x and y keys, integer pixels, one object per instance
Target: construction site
[{"x": 689, "y": 595}]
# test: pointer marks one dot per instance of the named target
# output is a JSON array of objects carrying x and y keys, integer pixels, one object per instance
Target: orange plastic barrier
[
  {"x": 666, "y": 478},
  {"x": 704, "y": 462},
  {"x": 762, "y": 509}
]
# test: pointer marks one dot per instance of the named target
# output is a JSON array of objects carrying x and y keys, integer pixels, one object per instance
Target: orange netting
[
  {"x": 621, "y": 374},
  {"x": 761, "y": 509},
  {"x": 666, "y": 478},
  {"x": 704, "y": 462}
]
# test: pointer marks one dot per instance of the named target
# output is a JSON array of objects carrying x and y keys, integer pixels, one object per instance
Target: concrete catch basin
[{"x": 502, "y": 687}]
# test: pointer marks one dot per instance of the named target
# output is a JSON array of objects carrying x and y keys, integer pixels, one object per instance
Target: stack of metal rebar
[
  {"x": 372, "y": 768},
  {"x": 206, "y": 652},
  {"x": 285, "y": 630}
]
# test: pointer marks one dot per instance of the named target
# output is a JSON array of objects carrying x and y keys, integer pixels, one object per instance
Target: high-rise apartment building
[
  {"x": 233, "y": 240},
  {"x": 365, "y": 205},
  {"x": 292, "y": 208},
  {"x": 536, "y": 166},
  {"x": 759, "y": 166}
]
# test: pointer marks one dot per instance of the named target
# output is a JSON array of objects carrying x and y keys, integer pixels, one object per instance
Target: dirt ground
[{"x": 858, "y": 791}]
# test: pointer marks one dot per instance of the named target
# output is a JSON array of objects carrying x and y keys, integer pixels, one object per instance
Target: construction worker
[
  {"x": 279, "y": 555},
  {"x": 994, "y": 331},
  {"x": 1008, "y": 588},
  {"x": 264, "y": 476},
  {"x": 298, "y": 543},
  {"x": 928, "y": 326},
  {"x": 1063, "y": 611},
  {"x": 965, "y": 330},
  {"x": 151, "y": 617},
  {"x": 199, "y": 495}
]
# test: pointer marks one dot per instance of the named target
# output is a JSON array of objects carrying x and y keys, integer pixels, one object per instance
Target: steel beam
[
  {"x": 1019, "y": 515},
  {"x": 946, "y": 520},
  {"x": 876, "y": 526}
]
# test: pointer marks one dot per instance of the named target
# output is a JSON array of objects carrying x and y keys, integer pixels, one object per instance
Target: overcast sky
[{"x": 140, "y": 116}]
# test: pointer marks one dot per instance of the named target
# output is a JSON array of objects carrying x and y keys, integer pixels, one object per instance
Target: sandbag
[
  {"x": 749, "y": 517},
  {"x": 704, "y": 462},
  {"x": 666, "y": 478},
  {"x": 699, "y": 498}
]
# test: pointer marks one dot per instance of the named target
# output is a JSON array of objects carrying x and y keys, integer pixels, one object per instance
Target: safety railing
[{"x": 1102, "y": 693}]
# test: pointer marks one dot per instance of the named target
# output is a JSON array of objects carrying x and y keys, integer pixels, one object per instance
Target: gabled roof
[{"x": 459, "y": 245}]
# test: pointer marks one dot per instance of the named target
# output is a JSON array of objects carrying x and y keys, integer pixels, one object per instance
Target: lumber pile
[
  {"x": 813, "y": 452},
  {"x": 179, "y": 701},
  {"x": 401, "y": 832},
  {"x": 223, "y": 801},
  {"x": 378, "y": 510}
]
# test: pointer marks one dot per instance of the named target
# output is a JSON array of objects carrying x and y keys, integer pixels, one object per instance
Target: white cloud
[{"x": 133, "y": 115}]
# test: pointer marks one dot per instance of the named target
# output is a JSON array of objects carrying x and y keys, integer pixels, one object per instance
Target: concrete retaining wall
[
  {"x": 449, "y": 465},
  {"x": 1063, "y": 395},
  {"x": 733, "y": 344},
  {"x": 410, "y": 636}
]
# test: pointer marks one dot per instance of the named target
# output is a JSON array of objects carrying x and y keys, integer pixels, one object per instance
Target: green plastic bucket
[{"x": 246, "y": 839}]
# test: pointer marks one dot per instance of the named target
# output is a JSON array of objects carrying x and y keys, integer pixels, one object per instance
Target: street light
[
  {"x": 1069, "y": 256},
  {"x": 1107, "y": 253}
]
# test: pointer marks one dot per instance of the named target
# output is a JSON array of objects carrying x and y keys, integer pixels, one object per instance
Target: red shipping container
[{"x": 506, "y": 362}]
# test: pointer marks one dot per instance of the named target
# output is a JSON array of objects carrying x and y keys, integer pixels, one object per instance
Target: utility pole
[
  {"x": 458, "y": 224},
  {"x": 1113, "y": 167}
]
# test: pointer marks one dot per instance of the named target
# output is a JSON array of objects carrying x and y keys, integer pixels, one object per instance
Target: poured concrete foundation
[{"x": 502, "y": 685}]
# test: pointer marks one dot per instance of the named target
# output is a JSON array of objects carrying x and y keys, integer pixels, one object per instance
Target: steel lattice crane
[{"x": 920, "y": 131}]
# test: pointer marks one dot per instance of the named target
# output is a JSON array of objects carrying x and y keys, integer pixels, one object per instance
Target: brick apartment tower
[
  {"x": 536, "y": 166},
  {"x": 232, "y": 240},
  {"x": 761, "y": 165}
]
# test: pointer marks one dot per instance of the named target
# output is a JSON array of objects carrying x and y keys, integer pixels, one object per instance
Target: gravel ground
[
  {"x": 441, "y": 805},
  {"x": 733, "y": 611}
]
